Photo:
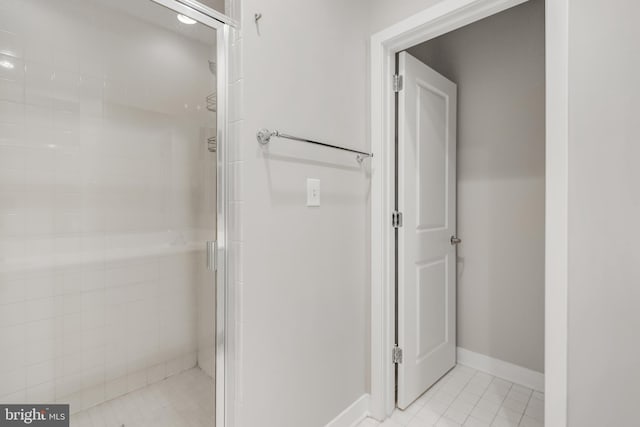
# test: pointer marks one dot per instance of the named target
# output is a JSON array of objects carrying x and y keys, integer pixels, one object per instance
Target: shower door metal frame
[{"x": 224, "y": 372}]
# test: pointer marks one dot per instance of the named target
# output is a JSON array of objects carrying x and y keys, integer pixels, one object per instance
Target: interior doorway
[
  {"x": 501, "y": 196},
  {"x": 498, "y": 285}
]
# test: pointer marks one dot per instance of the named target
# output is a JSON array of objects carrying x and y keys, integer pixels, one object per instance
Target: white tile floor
[
  {"x": 470, "y": 398},
  {"x": 183, "y": 400}
]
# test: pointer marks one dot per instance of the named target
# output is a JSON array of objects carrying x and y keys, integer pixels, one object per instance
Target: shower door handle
[{"x": 212, "y": 256}]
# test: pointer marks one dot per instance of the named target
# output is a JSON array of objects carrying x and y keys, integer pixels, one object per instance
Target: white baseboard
[
  {"x": 355, "y": 413},
  {"x": 500, "y": 368}
]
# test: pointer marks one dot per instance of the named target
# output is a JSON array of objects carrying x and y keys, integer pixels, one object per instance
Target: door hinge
[
  {"x": 396, "y": 219},
  {"x": 397, "y": 82},
  {"x": 396, "y": 354}
]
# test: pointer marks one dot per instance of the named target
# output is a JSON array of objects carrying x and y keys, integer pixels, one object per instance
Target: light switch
[{"x": 313, "y": 192}]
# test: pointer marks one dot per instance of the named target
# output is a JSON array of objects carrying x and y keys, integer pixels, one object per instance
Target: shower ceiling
[{"x": 150, "y": 12}]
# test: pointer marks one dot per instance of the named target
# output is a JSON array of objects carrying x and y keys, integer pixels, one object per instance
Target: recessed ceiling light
[
  {"x": 186, "y": 20},
  {"x": 6, "y": 64}
]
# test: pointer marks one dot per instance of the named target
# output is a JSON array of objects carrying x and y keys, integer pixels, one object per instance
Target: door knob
[{"x": 455, "y": 240}]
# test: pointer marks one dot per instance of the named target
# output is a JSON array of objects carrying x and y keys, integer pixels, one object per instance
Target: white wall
[
  {"x": 385, "y": 13},
  {"x": 498, "y": 64},
  {"x": 604, "y": 207},
  {"x": 302, "y": 350}
]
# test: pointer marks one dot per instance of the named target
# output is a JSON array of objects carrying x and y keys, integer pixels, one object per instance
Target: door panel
[
  {"x": 431, "y": 182},
  {"x": 430, "y": 286},
  {"x": 427, "y": 198}
]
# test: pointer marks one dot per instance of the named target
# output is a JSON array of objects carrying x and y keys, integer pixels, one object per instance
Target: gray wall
[
  {"x": 304, "y": 275},
  {"x": 498, "y": 64},
  {"x": 604, "y": 208}
]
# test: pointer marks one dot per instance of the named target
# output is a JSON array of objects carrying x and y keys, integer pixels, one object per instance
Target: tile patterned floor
[
  {"x": 183, "y": 400},
  {"x": 470, "y": 398}
]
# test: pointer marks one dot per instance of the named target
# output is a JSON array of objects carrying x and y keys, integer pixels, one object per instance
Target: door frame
[
  {"x": 443, "y": 17},
  {"x": 224, "y": 369}
]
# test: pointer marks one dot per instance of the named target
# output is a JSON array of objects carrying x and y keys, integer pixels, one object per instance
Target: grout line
[
  {"x": 456, "y": 398},
  {"x": 480, "y": 397},
  {"x": 525, "y": 407},
  {"x": 502, "y": 402}
]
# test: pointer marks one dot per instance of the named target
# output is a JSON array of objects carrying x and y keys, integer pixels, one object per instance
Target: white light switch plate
[{"x": 313, "y": 192}]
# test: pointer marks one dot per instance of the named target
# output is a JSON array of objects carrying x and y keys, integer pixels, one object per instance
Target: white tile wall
[
  {"x": 98, "y": 330},
  {"x": 106, "y": 198},
  {"x": 236, "y": 156}
]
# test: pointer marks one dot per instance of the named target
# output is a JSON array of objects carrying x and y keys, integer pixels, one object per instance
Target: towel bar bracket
[{"x": 264, "y": 136}]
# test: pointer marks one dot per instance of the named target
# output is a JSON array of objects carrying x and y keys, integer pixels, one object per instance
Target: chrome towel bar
[{"x": 264, "y": 137}]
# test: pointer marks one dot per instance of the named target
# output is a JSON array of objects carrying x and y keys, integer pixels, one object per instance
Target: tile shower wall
[
  {"x": 106, "y": 198},
  {"x": 236, "y": 156}
]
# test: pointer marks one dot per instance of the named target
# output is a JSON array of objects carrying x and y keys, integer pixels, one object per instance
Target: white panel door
[{"x": 427, "y": 199}]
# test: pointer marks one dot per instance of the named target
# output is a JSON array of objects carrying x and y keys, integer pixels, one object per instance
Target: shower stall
[{"x": 108, "y": 197}]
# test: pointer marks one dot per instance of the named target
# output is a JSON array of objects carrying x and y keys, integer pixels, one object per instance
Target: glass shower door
[{"x": 107, "y": 198}]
